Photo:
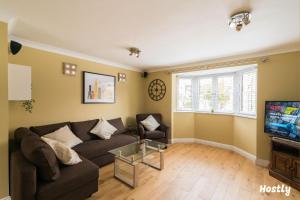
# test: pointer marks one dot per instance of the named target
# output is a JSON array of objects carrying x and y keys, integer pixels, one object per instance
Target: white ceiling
[{"x": 169, "y": 32}]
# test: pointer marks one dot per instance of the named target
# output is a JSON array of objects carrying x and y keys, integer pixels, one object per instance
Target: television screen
[{"x": 282, "y": 119}]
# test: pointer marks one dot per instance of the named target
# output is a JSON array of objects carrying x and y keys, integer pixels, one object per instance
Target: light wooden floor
[{"x": 194, "y": 171}]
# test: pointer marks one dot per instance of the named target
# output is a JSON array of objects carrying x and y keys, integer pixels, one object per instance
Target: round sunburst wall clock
[{"x": 157, "y": 89}]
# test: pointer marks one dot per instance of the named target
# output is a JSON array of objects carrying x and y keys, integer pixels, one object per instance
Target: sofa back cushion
[
  {"x": 45, "y": 129},
  {"x": 118, "y": 124},
  {"x": 41, "y": 155},
  {"x": 82, "y": 129}
]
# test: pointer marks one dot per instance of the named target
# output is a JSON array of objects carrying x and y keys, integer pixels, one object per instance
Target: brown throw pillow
[
  {"x": 41, "y": 155},
  {"x": 82, "y": 129}
]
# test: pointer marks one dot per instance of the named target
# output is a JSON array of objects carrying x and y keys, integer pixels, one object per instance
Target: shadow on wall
[{"x": 130, "y": 121}]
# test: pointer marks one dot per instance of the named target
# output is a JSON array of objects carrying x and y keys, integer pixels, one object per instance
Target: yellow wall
[
  {"x": 163, "y": 106},
  {"x": 4, "y": 112},
  {"x": 244, "y": 134},
  {"x": 214, "y": 127},
  {"x": 278, "y": 79},
  {"x": 184, "y": 125},
  {"x": 58, "y": 97},
  {"x": 226, "y": 129}
]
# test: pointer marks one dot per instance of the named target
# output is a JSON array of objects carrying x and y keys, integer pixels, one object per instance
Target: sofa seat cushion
[
  {"x": 155, "y": 134},
  {"x": 82, "y": 129},
  {"x": 45, "y": 129},
  {"x": 72, "y": 178},
  {"x": 94, "y": 148}
]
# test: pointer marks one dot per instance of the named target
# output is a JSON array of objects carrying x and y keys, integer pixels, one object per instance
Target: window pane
[
  {"x": 184, "y": 96},
  {"x": 225, "y": 94},
  {"x": 248, "y": 104},
  {"x": 205, "y": 94}
]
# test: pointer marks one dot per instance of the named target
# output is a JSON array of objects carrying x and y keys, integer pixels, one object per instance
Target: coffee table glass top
[{"x": 137, "y": 150}]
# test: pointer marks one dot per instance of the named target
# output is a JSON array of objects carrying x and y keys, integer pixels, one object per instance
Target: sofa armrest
[
  {"x": 165, "y": 129},
  {"x": 19, "y": 134},
  {"x": 23, "y": 178},
  {"x": 141, "y": 131}
]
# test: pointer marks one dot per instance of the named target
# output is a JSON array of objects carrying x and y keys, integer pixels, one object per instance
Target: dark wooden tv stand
[{"x": 285, "y": 161}]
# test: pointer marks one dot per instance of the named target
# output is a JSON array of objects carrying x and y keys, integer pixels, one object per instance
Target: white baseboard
[
  {"x": 6, "y": 198},
  {"x": 214, "y": 144},
  {"x": 260, "y": 162},
  {"x": 183, "y": 140},
  {"x": 244, "y": 153}
]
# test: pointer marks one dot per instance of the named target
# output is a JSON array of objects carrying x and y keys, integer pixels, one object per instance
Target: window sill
[
  {"x": 218, "y": 113},
  {"x": 245, "y": 115}
]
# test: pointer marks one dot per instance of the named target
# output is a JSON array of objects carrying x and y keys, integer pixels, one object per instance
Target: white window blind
[
  {"x": 248, "y": 92},
  {"x": 184, "y": 94},
  {"x": 205, "y": 94},
  {"x": 225, "y": 94}
]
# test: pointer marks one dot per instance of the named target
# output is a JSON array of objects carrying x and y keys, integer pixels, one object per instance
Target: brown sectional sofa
[{"x": 75, "y": 182}]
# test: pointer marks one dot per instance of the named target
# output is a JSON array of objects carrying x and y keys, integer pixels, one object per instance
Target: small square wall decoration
[
  {"x": 69, "y": 69},
  {"x": 121, "y": 77}
]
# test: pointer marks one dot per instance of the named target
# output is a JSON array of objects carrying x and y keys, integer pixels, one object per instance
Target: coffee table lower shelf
[{"x": 132, "y": 180}]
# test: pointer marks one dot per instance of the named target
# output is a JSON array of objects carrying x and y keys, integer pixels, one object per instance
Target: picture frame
[{"x": 98, "y": 88}]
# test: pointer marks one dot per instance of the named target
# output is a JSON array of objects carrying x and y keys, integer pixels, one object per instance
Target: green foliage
[{"x": 28, "y": 105}]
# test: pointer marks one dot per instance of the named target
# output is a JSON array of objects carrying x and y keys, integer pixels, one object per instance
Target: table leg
[
  {"x": 161, "y": 161},
  {"x": 133, "y": 180}
]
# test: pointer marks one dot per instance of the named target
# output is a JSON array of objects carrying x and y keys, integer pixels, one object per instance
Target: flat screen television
[{"x": 282, "y": 119}]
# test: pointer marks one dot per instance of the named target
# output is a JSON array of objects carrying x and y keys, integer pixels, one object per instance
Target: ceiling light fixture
[
  {"x": 134, "y": 52},
  {"x": 238, "y": 20}
]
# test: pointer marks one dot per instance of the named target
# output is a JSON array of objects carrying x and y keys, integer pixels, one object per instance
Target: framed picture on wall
[{"x": 98, "y": 88}]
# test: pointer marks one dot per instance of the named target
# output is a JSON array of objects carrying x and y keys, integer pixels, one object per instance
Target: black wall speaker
[
  {"x": 15, "y": 47},
  {"x": 145, "y": 74}
]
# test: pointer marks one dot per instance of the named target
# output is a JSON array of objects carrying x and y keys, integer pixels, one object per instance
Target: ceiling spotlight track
[
  {"x": 134, "y": 52},
  {"x": 240, "y": 19}
]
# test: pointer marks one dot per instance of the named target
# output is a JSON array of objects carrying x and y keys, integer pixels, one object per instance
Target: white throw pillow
[
  {"x": 103, "y": 129},
  {"x": 150, "y": 123},
  {"x": 65, "y": 136},
  {"x": 65, "y": 154}
]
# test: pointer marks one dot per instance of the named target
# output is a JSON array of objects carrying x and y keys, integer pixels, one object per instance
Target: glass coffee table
[{"x": 133, "y": 154}]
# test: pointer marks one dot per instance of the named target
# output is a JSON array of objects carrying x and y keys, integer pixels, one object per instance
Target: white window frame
[{"x": 237, "y": 92}]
